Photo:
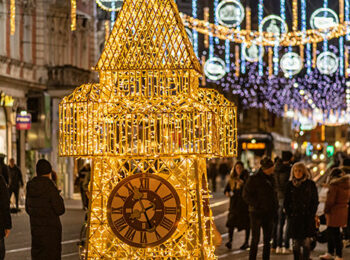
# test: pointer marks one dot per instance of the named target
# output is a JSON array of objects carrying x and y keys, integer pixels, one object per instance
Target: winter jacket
[
  {"x": 300, "y": 204},
  {"x": 4, "y": 172},
  {"x": 15, "y": 178},
  {"x": 5, "y": 217},
  {"x": 282, "y": 173},
  {"x": 259, "y": 193},
  {"x": 336, "y": 208},
  {"x": 44, "y": 206},
  {"x": 238, "y": 216}
]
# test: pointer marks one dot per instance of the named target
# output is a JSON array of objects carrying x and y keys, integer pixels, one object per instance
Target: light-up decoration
[
  {"x": 325, "y": 20},
  {"x": 190, "y": 35},
  {"x": 110, "y": 5},
  {"x": 275, "y": 27},
  {"x": 215, "y": 68},
  {"x": 12, "y": 17},
  {"x": 195, "y": 33},
  {"x": 291, "y": 63},
  {"x": 147, "y": 115},
  {"x": 251, "y": 53},
  {"x": 230, "y": 13},
  {"x": 261, "y": 47},
  {"x": 327, "y": 63},
  {"x": 347, "y": 18}
]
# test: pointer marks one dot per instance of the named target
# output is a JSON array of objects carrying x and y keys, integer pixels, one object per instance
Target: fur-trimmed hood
[{"x": 343, "y": 181}]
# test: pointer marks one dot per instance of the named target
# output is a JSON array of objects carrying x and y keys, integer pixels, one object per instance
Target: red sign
[{"x": 23, "y": 122}]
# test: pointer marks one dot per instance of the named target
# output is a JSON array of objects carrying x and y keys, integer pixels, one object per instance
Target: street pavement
[{"x": 19, "y": 241}]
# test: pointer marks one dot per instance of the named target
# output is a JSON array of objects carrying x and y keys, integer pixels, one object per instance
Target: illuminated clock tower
[{"x": 148, "y": 128}]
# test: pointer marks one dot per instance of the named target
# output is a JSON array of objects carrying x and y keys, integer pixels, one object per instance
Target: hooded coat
[
  {"x": 301, "y": 204},
  {"x": 44, "y": 206},
  {"x": 336, "y": 208}
]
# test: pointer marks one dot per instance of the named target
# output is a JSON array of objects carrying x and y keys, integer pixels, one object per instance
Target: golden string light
[
  {"x": 341, "y": 11},
  {"x": 73, "y": 15},
  {"x": 237, "y": 61},
  {"x": 107, "y": 29},
  {"x": 147, "y": 114},
  {"x": 314, "y": 54},
  {"x": 295, "y": 15},
  {"x": 346, "y": 58},
  {"x": 248, "y": 18},
  {"x": 293, "y": 38},
  {"x": 12, "y": 17},
  {"x": 302, "y": 54},
  {"x": 270, "y": 59}
]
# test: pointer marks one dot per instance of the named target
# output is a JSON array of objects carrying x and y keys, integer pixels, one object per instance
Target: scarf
[{"x": 297, "y": 182}]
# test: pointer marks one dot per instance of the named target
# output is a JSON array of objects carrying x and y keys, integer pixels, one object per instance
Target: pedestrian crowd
[
  {"x": 281, "y": 199},
  {"x": 43, "y": 204}
]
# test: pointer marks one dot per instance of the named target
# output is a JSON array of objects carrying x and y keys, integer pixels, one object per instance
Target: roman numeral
[
  {"x": 130, "y": 187},
  {"x": 166, "y": 223},
  {"x": 120, "y": 196},
  {"x": 157, "y": 235},
  {"x": 144, "y": 183},
  {"x": 120, "y": 224},
  {"x": 170, "y": 210},
  {"x": 117, "y": 210},
  {"x": 160, "y": 184},
  {"x": 143, "y": 238},
  {"x": 167, "y": 197},
  {"x": 130, "y": 234}
]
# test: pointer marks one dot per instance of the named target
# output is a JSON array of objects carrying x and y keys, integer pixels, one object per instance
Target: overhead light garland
[
  {"x": 12, "y": 17},
  {"x": 73, "y": 15}
]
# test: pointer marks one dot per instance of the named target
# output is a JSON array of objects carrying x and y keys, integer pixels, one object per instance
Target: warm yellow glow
[
  {"x": 107, "y": 29},
  {"x": 270, "y": 59},
  {"x": 73, "y": 15},
  {"x": 148, "y": 114},
  {"x": 13, "y": 17},
  {"x": 295, "y": 15}
]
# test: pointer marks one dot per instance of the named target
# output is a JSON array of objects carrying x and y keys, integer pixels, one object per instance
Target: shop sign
[
  {"x": 253, "y": 146},
  {"x": 23, "y": 122}
]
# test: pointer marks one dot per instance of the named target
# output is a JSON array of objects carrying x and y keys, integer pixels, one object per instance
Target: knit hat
[
  {"x": 266, "y": 163},
  {"x": 286, "y": 156},
  {"x": 43, "y": 167}
]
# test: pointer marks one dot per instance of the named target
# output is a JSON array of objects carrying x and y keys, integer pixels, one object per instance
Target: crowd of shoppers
[{"x": 282, "y": 199}]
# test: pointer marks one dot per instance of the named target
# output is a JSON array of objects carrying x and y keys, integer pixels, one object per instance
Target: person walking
[
  {"x": 44, "y": 205},
  {"x": 346, "y": 170},
  {"x": 82, "y": 175},
  {"x": 282, "y": 174},
  {"x": 238, "y": 216},
  {"x": 300, "y": 205},
  {"x": 5, "y": 216},
  {"x": 336, "y": 210},
  {"x": 260, "y": 195},
  {"x": 4, "y": 169},
  {"x": 15, "y": 180}
]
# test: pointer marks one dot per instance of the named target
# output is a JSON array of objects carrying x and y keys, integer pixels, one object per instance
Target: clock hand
[{"x": 145, "y": 213}]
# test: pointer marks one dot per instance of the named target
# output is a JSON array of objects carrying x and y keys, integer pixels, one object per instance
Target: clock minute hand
[{"x": 145, "y": 213}]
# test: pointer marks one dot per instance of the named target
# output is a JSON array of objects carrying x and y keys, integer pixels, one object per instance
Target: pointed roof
[{"x": 148, "y": 34}]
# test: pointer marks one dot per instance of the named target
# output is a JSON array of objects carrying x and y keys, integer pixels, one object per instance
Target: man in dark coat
[
  {"x": 282, "y": 174},
  {"x": 260, "y": 195},
  {"x": 5, "y": 217},
  {"x": 44, "y": 206},
  {"x": 3, "y": 168},
  {"x": 15, "y": 180}
]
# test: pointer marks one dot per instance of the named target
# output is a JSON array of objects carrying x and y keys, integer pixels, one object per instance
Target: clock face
[{"x": 144, "y": 210}]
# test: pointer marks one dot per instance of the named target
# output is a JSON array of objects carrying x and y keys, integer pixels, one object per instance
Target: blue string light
[
  {"x": 216, "y": 19},
  {"x": 303, "y": 29},
  {"x": 347, "y": 18},
  {"x": 325, "y": 41},
  {"x": 275, "y": 60},
  {"x": 112, "y": 14},
  {"x": 243, "y": 62},
  {"x": 194, "y": 32},
  {"x": 341, "y": 56},
  {"x": 227, "y": 55},
  {"x": 260, "y": 18}
]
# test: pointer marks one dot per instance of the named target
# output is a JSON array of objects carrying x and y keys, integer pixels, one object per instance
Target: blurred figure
[
  {"x": 54, "y": 177},
  {"x": 300, "y": 204},
  {"x": 86, "y": 183},
  {"x": 336, "y": 211},
  {"x": 44, "y": 205},
  {"x": 238, "y": 216},
  {"x": 82, "y": 174},
  {"x": 15, "y": 180},
  {"x": 282, "y": 174},
  {"x": 4, "y": 169},
  {"x": 346, "y": 169},
  {"x": 212, "y": 173},
  {"x": 259, "y": 193},
  {"x": 224, "y": 170},
  {"x": 5, "y": 217}
]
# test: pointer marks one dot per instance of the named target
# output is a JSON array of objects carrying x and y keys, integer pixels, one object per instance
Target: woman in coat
[
  {"x": 300, "y": 204},
  {"x": 336, "y": 210},
  {"x": 238, "y": 213}
]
